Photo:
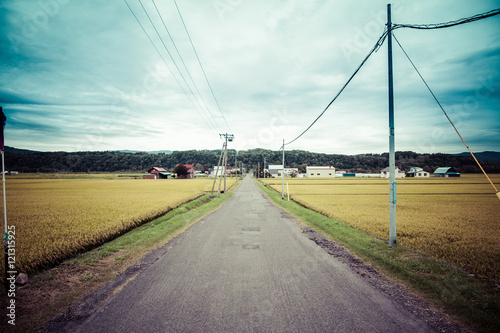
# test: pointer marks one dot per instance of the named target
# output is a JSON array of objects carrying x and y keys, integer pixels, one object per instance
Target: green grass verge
[
  {"x": 471, "y": 299},
  {"x": 157, "y": 231}
]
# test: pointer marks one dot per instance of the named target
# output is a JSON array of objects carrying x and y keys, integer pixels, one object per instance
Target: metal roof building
[{"x": 446, "y": 172}]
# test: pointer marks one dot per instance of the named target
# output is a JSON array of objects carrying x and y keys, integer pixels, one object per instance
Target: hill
[
  {"x": 115, "y": 161},
  {"x": 484, "y": 156}
]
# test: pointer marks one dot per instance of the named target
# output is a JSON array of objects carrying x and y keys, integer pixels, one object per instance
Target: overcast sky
[{"x": 83, "y": 75}]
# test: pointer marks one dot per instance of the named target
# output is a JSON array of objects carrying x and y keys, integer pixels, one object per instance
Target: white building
[
  {"x": 219, "y": 170},
  {"x": 386, "y": 173},
  {"x": 275, "y": 170},
  {"x": 320, "y": 172},
  {"x": 417, "y": 172},
  {"x": 290, "y": 171}
]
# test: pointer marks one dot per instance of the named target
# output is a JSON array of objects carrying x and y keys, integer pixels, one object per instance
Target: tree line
[{"x": 114, "y": 161}]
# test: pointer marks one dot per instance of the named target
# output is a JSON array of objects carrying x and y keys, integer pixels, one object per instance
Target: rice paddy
[
  {"x": 454, "y": 219},
  {"x": 58, "y": 217}
]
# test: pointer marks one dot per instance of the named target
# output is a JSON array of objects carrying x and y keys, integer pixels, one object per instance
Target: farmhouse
[
  {"x": 275, "y": 170},
  {"x": 191, "y": 171},
  {"x": 157, "y": 173},
  {"x": 417, "y": 173},
  {"x": 446, "y": 172},
  {"x": 385, "y": 173},
  {"x": 320, "y": 171}
]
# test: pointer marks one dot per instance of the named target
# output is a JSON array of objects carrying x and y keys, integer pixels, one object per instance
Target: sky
[{"x": 84, "y": 76}]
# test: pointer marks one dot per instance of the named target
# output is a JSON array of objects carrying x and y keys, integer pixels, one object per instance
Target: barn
[
  {"x": 446, "y": 172},
  {"x": 158, "y": 173}
]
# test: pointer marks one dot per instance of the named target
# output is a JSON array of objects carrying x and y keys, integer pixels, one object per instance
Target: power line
[
  {"x": 166, "y": 64},
  {"x": 377, "y": 45},
  {"x": 442, "y": 109},
  {"x": 175, "y": 64},
  {"x": 203, "y": 70},
  {"x": 182, "y": 60},
  {"x": 448, "y": 24}
]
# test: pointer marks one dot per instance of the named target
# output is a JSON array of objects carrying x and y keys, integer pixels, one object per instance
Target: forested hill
[{"x": 114, "y": 161}]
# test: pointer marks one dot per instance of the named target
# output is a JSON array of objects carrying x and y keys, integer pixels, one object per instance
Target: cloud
[{"x": 83, "y": 75}]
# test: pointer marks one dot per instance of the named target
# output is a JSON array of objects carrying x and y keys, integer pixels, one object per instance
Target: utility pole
[
  {"x": 392, "y": 153},
  {"x": 230, "y": 138},
  {"x": 216, "y": 173},
  {"x": 283, "y": 174},
  {"x": 264, "y": 171},
  {"x": 221, "y": 167},
  {"x": 258, "y": 166}
]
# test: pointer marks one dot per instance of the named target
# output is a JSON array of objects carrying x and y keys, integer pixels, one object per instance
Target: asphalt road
[{"x": 248, "y": 268}]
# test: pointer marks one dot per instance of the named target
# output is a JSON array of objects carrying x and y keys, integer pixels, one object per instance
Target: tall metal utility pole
[
  {"x": 392, "y": 153},
  {"x": 283, "y": 174},
  {"x": 258, "y": 167}
]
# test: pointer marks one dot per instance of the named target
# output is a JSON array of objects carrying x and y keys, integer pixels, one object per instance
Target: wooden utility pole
[
  {"x": 230, "y": 138},
  {"x": 216, "y": 173}
]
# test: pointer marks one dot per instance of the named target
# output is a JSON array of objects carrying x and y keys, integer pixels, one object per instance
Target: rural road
[{"x": 247, "y": 267}]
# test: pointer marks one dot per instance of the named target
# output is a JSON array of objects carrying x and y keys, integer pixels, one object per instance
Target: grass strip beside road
[
  {"x": 471, "y": 299},
  {"x": 49, "y": 293}
]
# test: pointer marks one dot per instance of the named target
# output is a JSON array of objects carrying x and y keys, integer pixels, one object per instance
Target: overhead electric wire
[
  {"x": 442, "y": 109},
  {"x": 377, "y": 45},
  {"x": 448, "y": 24},
  {"x": 175, "y": 64},
  {"x": 166, "y": 64},
  {"x": 182, "y": 60},
  {"x": 201, "y": 66}
]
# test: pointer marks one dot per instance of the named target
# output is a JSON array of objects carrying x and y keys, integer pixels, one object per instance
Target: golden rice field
[
  {"x": 54, "y": 218},
  {"x": 455, "y": 219}
]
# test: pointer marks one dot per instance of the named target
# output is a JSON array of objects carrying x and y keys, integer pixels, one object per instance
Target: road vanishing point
[{"x": 247, "y": 267}]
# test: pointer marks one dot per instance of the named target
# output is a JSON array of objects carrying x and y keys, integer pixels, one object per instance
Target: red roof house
[
  {"x": 191, "y": 171},
  {"x": 159, "y": 173}
]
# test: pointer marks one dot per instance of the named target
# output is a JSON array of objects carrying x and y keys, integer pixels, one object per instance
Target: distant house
[
  {"x": 385, "y": 173},
  {"x": 157, "y": 173},
  {"x": 275, "y": 170},
  {"x": 446, "y": 172},
  {"x": 191, "y": 171},
  {"x": 417, "y": 173},
  {"x": 320, "y": 172}
]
